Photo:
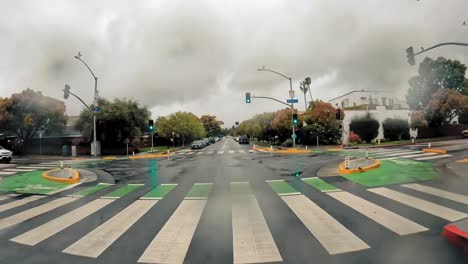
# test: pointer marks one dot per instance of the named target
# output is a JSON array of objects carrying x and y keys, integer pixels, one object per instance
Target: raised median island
[{"x": 65, "y": 175}]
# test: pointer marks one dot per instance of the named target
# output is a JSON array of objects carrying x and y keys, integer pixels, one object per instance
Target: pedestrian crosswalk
[
  {"x": 253, "y": 240},
  {"x": 217, "y": 152},
  {"x": 383, "y": 154}
]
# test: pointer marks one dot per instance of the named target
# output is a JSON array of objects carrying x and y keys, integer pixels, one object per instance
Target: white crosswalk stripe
[
  {"x": 97, "y": 241},
  {"x": 20, "y": 202},
  {"x": 18, "y": 170},
  {"x": 33, "y": 167},
  {"x": 221, "y": 152},
  {"x": 231, "y": 151},
  {"x": 423, "y": 205},
  {"x": 401, "y": 153},
  {"x": 435, "y": 157},
  {"x": 333, "y": 236},
  {"x": 7, "y": 196},
  {"x": 200, "y": 152},
  {"x": 33, "y": 212},
  {"x": 241, "y": 151},
  {"x": 386, "y": 218},
  {"x": 49, "y": 229},
  {"x": 418, "y": 155},
  {"x": 210, "y": 152},
  {"x": 437, "y": 192},
  {"x": 7, "y": 172},
  {"x": 171, "y": 243}
]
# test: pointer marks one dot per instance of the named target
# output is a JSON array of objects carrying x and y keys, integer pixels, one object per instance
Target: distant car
[
  {"x": 236, "y": 139},
  {"x": 465, "y": 133},
  {"x": 5, "y": 155},
  {"x": 197, "y": 144},
  {"x": 206, "y": 142},
  {"x": 244, "y": 140}
]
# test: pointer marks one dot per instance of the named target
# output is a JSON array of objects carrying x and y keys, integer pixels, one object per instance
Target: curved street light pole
[
  {"x": 292, "y": 104},
  {"x": 96, "y": 95}
]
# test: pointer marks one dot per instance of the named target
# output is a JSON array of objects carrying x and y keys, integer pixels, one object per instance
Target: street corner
[
  {"x": 151, "y": 156},
  {"x": 65, "y": 175},
  {"x": 358, "y": 165}
]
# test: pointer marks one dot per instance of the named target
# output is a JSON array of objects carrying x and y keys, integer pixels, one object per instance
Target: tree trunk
[
  {"x": 305, "y": 101},
  {"x": 310, "y": 92}
]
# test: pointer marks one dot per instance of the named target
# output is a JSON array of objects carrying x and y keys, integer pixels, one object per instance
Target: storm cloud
[{"x": 202, "y": 56}]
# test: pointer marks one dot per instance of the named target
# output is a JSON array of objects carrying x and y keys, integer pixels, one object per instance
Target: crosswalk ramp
[
  {"x": 380, "y": 153},
  {"x": 252, "y": 238}
]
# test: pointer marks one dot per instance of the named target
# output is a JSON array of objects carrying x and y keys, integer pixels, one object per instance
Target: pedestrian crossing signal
[{"x": 247, "y": 98}]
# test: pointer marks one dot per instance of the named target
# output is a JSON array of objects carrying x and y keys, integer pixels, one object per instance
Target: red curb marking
[{"x": 456, "y": 236}]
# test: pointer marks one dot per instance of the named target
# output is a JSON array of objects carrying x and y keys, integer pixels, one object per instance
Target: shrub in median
[
  {"x": 395, "y": 129},
  {"x": 366, "y": 127},
  {"x": 288, "y": 143}
]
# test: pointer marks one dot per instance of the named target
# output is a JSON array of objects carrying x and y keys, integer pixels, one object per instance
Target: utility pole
[
  {"x": 95, "y": 104},
  {"x": 291, "y": 95}
]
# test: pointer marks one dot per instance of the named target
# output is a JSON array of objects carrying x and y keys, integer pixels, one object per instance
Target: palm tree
[{"x": 305, "y": 86}]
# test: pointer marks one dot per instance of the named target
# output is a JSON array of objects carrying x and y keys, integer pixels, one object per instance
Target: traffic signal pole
[{"x": 410, "y": 53}]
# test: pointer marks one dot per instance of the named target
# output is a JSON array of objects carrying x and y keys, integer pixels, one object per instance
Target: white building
[
  {"x": 369, "y": 100},
  {"x": 381, "y": 105}
]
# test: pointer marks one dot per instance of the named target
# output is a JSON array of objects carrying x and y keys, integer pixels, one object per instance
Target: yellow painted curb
[
  {"x": 343, "y": 170},
  {"x": 438, "y": 151},
  {"x": 150, "y": 156},
  {"x": 110, "y": 158},
  {"x": 284, "y": 151},
  {"x": 74, "y": 179},
  {"x": 465, "y": 160},
  {"x": 335, "y": 149}
]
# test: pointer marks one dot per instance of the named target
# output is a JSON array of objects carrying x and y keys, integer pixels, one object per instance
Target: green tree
[
  {"x": 249, "y": 128},
  {"x": 264, "y": 121},
  {"x": 326, "y": 134},
  {"x": 212, "y": 125},
  {"x": 418, "y": 120},
  {"x": 366, "y": 127},
  {"x": 185, "y": 125},
  {"x": 445, "y": 105},
  {"x": 28, "y": 112},
  {"x": 323, "y": 113},
  {"x": 435, "y": 75},
  {"x": 282, "y": 123},
  {"x": 117, "y": 121}
]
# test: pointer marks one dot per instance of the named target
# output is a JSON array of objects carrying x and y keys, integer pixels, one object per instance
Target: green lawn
[
  {"x": 160, "y": 191},
  {"x": 281, "y": 187},
  {"x": 395, "y": 171},
  {"x": 320, "y": 184},
  {"x": 30, "y": 182},
  {"x": 200, "y": 190}
]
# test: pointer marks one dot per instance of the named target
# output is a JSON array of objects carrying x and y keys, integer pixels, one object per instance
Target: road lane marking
[
  {"x": 122, "y": 191},
  {"x": 18, "y": 170},
  {"x": 171, "y": 243},
  {"x": 159, "y": 192},
  {"x": 418, "y": 155},
  {"x": 252, "y": 240},
  {"x": 399, "y": 153},
  {"x": 333, "y": 236},
  {"x": 435, "y": 157},
  {"x": 210, "y": 152},
  {"x": 423, "y": 205},
  {"x": 35, "y": 211},
  {"x": 20, "y": 202},
  {"x": 231, "y": 151},
  {"x": 200, "y": 152},
  {"x": 380, "y": 215},
  {"x": 221, "y": 152},
  {"x": 8, "y": 196},
  {"x": 437, "y": 192},
  {"x": 282, "y": 188},
  {"x": 51, "y": 228},
  {"x": 97, "y": 241},
  {"x": 241, "y": 151},
  {"x": 33, "y": 167},
  {"x": 7, "y": 172}
]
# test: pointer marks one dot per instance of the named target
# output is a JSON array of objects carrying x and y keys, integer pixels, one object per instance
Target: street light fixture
[
  {"x": 291, "y": 93},
  {"x": 95, "y": 104}
]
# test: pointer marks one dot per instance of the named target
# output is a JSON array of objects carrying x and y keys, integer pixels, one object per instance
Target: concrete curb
[
  {"x": 431, "y": 150},
  {"x": 342, "y": 169},
  {"x": 74, "y": 179},
  {"x": 284, "y": 151},
  {"x": 151, "y": 156}
]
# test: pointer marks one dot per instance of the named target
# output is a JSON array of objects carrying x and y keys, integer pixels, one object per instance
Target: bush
[
  {"x": 367, "y": 127},
  {"x": 395, "y": 129},
  {"x": 287, "y": 143},
  {"x": 354, "y": 138},
  {"x": 327, "y": 135}
]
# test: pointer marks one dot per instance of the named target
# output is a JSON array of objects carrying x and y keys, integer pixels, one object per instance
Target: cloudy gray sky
[{"x": 202, "y": 56}]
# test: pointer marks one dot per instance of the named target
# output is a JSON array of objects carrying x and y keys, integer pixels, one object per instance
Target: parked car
[
  {"x": 5, "y": 155},
  {"x": 197, "y": 144},
  {"x": 244, "y": 140},
  {"x": 465, "y": 133}
]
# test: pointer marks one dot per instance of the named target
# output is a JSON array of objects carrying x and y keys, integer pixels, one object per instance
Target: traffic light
[
  {"x": 295, "y": 121},
  {"x": 247, "y": 98},
  {"x": 410, "y": 55},
  {"x": 66, "y": 91},
  {"x": 151, "y": 125}
]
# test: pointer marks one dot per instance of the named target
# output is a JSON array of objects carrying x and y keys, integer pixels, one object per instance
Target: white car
[{"x": 5, "y": 154}]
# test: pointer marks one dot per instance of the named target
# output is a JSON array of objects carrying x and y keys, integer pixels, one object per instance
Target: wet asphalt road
[{"x": 213, "y": 236}]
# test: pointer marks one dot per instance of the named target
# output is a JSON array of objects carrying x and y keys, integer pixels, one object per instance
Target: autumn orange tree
[
  {"x": 321, "y": 122},
  {"x": 28, "y": 112}
]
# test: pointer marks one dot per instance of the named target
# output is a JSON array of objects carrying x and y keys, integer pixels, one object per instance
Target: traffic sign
[
  {"x": 291, "y": 93},
  {"x": 293, "y": 101},
  {"x": 294, "y": 135}
]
